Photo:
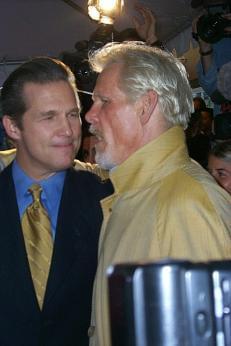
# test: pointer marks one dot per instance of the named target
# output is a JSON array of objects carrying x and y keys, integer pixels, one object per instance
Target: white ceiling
[{"x": 47, "y": 27}]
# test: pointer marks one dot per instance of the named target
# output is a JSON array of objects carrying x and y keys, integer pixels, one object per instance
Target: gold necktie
[{"x": 38, "y": 240}]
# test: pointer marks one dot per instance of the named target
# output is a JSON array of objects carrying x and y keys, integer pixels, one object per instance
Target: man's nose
[
  {"x": 91, "y": 115},
  {"x": 66, "y": 127}
]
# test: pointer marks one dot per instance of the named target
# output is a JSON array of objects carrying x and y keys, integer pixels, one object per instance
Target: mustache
[{"x": 95, "y": 132}]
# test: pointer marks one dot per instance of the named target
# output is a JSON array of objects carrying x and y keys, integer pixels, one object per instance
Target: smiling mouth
[{"x": 65, "y": 145}]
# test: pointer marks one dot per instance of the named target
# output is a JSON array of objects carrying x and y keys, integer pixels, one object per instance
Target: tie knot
[{"x": 35, "y": 190}]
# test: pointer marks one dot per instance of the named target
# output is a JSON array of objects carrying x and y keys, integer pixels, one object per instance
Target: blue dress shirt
[{"x": 51, "y": 192}]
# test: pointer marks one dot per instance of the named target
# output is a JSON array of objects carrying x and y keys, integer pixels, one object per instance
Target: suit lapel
[{"x": 71, "y": 238}]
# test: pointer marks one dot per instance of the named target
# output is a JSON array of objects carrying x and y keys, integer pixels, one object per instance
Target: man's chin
[
  {"x": 65, "y": 164},
  {"x": 103, "y": 161}
]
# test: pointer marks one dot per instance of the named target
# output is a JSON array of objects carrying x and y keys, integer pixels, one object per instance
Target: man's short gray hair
[{"x": 147, "y": 68}]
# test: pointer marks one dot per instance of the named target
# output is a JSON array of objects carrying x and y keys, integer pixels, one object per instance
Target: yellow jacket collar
[{"x": 148, "y": 164}]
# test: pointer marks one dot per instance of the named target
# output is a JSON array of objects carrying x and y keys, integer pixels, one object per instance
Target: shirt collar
[{"x": 51, "y": 185}]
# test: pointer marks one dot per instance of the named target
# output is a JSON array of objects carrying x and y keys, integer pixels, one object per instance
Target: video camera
[
  {"x": 211, "y": 27},
  {"x": 170, "y": 302}
]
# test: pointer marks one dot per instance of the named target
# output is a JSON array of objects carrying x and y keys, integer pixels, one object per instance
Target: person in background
[
  {"x": 88, "y": 149},
  {"x": 199, "y": 104},
  {"x": 164, "y": 204},
  {"x": 224, "y": 81},
  {"x": 46, "y": 274},
  {"x": 222, "y": 123},
  {"x": 212, "y": 55},
  {"x": 219, "y": 164},
  {"x": 199, "y": 135},
  {"x": 144, "y": 28},
  {"x": 207, "y": 121}
]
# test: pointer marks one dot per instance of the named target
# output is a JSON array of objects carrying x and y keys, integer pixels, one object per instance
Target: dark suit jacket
[{"x": 65, "y": 317}]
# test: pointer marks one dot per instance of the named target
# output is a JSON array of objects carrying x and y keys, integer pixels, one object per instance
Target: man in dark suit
[{"x": 41, "y": 116}]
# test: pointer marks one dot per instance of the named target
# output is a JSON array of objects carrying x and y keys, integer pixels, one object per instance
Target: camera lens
[{"x": 211, "y": 28}]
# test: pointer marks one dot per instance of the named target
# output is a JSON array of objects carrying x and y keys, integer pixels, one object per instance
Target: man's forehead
[
  {"x": 31, "y": 89},
  {"x": 47, "y": 84},
  {"x": 219, "y": 163}
]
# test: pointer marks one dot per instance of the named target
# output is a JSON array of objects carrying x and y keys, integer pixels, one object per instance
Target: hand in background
[{"x": 145, "y": 27}]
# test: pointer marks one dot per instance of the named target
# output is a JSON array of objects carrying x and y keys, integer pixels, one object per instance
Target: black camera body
[
  {"x": 211, "y": 27},
  {"x": 170, "y": 303}
]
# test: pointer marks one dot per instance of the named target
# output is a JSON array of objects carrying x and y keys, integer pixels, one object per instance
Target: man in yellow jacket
[{"x": 164, "y": 204}]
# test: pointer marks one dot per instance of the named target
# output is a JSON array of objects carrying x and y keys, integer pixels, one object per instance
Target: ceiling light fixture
[{"x": 104, "y": 11}]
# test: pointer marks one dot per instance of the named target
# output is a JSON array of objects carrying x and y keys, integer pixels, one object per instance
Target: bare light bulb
[{"x": 104, "y": 11}]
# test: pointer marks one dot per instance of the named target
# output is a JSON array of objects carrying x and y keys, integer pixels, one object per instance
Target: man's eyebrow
[
  {"x": 46, "y": 113},
  {"x": 221, "y": 170},
  {"x": 53, "y": 112}
]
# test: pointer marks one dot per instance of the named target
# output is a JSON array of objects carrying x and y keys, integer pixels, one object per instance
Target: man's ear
[
  {"x": 10, "y": 127},
  {"x": 149, "y": 102}
]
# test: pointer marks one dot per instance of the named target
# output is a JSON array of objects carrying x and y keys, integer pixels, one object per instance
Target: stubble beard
[{"x": 104, "y": 161}]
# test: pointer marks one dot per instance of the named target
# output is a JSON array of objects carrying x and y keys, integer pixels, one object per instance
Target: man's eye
[{"x": 49, "y": 117}]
